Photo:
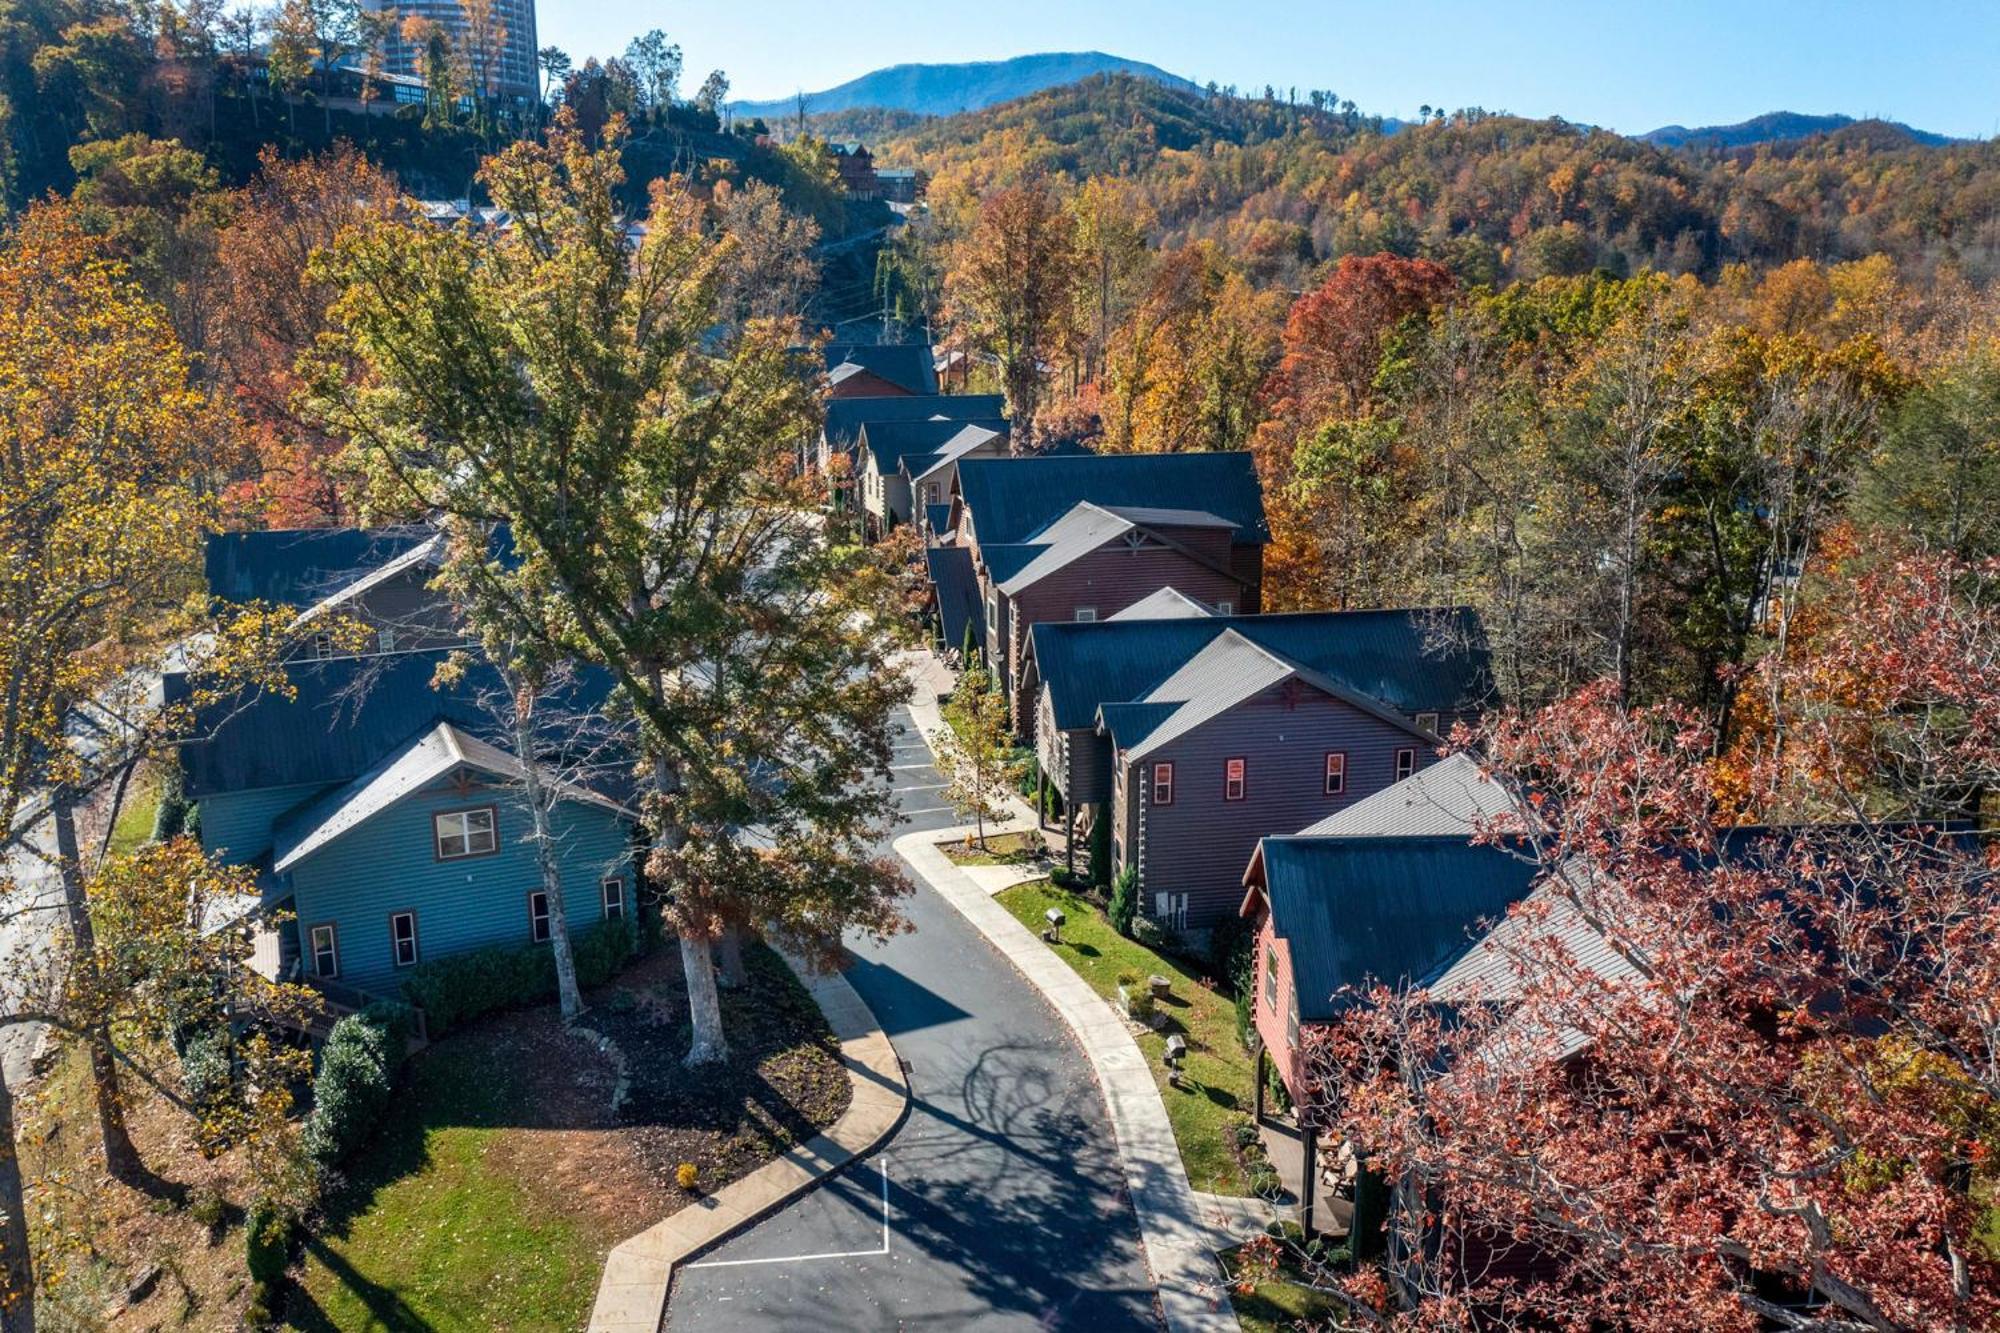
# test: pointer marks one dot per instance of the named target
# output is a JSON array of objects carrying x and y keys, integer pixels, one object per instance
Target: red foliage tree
[{"x": 1728, "y": 1077}]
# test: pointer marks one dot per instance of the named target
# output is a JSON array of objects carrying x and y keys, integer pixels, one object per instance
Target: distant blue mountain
[
  {"x": 1780, "y": 127},
  {"x": 944, "y": 90}
]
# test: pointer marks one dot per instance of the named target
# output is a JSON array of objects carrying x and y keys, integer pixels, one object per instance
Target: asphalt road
[{"x": 997, "y": 1205}]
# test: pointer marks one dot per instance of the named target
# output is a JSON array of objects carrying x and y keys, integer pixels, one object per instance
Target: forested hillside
[{"x": 1285, "y": 184}]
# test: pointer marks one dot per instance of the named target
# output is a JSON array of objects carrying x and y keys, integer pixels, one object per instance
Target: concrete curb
[
  {"x": 1177, "y": 1237},
  {"x": 639, "y": 1272}
]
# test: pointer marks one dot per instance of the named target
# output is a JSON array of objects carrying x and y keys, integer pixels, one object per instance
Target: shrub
[
  {"x": 687, "y": 1175},
  {"x": 191, "y": 821},
  {"x": 463, "y": 986},
  {"x": 206, "y": 1068},
  {"x": 171, "y": 815},
  {"x": 1232, "y": 952},
  {"x": 1274, "y": 1087},
  {"x": 1158, "y": 938},
  {"x": 1124, "y": 900},
  {"x": 267, "y": 1241},
  {"x": 1100, "y": 847},
  {"x": 356, "y": 1075}
]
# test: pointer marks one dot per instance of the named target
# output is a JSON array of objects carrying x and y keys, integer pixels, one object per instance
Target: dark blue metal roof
[
  {"x": 846, "y": 416},
  {"x": 351, "y": 712},
  {"x": 892, "y": 441},
  {"x": 957, "y": 590},
  {"x": 1012, "y": 499},
  {"x": 300, "y": 566},
  {"x": 1393, "y": 910},
  {"x": 912, "y": 366},
  {"x": 938, "y": 516},
  {"x": 1414, "y": 661}
]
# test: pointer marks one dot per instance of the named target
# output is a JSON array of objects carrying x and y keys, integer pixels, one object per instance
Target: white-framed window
[
  {"x": 1406, "y": 763},
  {"x": 1086, "y": 615},
  {"x": 930, "y": 493},
  {"x": 1271, "y": 975},
  {"x": 538, "y": 916},
  {"x": 385, "y": 639},
  {"x": 1429, "y": 722},
  {"x": 1336, "y": 772},
  {"x": 403, "y": 939},
  {"x": 1163, "y": 784},
  {"x": 1235, "y": 779},
  {"x": 324, "y": 942},
  {"x": 993, "y": 612},
  {"x": 1292, "y": 1023},
  {"x": 613, "y": 890},
  {"x": 462, "y": 833},
  {"x": 322, "y": 646},
  {"x": 1225, "y": 608}
]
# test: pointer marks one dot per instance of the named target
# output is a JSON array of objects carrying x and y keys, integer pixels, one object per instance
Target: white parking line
[
  {"x": 897, "y": 768},
  {"x": 883, "y": 1167},
  {"x": 929, "y": 786},
  {"x": 927, "y": 810}
]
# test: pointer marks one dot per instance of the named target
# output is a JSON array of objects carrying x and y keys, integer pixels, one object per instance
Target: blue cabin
[{"x": 381, "y": 804}]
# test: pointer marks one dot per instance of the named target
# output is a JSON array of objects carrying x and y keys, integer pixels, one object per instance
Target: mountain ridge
[
  {"x": 1781, "y": 127},
  {"x": 947, "y": 89}
]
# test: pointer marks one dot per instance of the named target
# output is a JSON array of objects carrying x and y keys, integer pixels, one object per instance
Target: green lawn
[
  {"x": 435, "y": 1233},
  {"x": 1272, "y": 1307},
  {"x": 1216, "y": 1091},
  {"x": 135, "y": 816}
]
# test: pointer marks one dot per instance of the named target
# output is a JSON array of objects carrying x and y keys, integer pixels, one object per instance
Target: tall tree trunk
[
  {"x": 540, "y": 798},
  {"x": 17, "y": 1269},
  {"x": 121, "y": 1159},
  {"x": 697, "y": 951}
]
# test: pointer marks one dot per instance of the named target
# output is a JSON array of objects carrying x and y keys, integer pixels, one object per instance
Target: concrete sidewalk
[
  {"x": 1177, "y": 1235},
  {"x": 632, "y": 1294}
]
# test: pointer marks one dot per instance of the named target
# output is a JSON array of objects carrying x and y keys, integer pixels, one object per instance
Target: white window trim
[
  {"x": 416, "y": 948},
  {"x": 1406, "y": 763},
  {"x": 465, "y": 832},
  {"x": 322, "y": 647},
  {"x": 1086, "y": 615},
  {"x": 544, "y": 920},
  {"x": 1428, "y": 722},
  {"x": 332, "y": 947},
  {"x": 1225, "y": 608},
  {"x": 610, "y": 894}
]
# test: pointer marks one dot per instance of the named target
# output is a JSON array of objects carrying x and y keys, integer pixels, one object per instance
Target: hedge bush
[
  {"x": 463, "y": 986},
  {"x": 1100, "y": 847},
  {"x": 1124, "y": 901},
  {"x": 357, "y": 1073}
]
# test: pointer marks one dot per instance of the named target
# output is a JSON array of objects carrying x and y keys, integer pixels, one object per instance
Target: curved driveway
[{"x": 1005, "y": 1202}]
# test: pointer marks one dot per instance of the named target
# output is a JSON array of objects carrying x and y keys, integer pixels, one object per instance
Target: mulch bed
[{"x": 783, "y": 1082}]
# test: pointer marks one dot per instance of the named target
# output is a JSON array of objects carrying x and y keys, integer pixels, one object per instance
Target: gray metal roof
[
  {"x": 1414, "y": 661},
  {"x": 1357, "y": 911},
  {"x": 890, "y": 442},
  {"x": 428, "y": 555},
  {"x": 438, "y": 752},
  {"x": 1013, "y": 499},
  {"x": 909, "y": 366},
  {"x": 1154, "y": 516},
  {"x": 1166, "y": 604},
  {"x": 1068, "y": 539},
  {"x": 846, "y": 416},
  {"x": 975, "y": 435},
  {"x": 1452, "y": 796}
]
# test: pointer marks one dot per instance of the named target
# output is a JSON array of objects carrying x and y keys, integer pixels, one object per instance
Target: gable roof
[
  {"x": 301, "y": 566},
  {"x": 975, "y": 435},
  {"x": 938, "y": 517},
  {"x": 1166, "y": 604},
  {"x": 1452, "y": 796},
  {"x": 1229, "y": 669},
  {"x": 910, "y": 366},
  {"x": 1393, "y": 657},
  {"x": 427, "y": 556},
  {"x": 347, "y": 714},
  {"x": 957, "y": 587},
  {"x": 1391, "y": 910},
  {"x": 1013, "y": 499},
  {"x": 434, "y": 754},
  {"x": 846, "y": 416},
  {"x": 889, "y": 442},
  {"x": 1085, "y": 528}
]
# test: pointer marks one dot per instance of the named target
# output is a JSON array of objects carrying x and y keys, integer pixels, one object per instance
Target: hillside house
[
  {"x": 1315, "y": 710},
  {"x": 1082, "y": 537},
  {"x": 880, "y": 370},
  {"x": 388, "y": 816},
  {"x": 857, "y": 169},
  {"x": 907, "y": 463},
  {"x": 380, "y": 577},
  {"x": 840, "y": 435}
]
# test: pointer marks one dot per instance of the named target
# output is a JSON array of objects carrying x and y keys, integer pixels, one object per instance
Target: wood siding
[
  {"x": 236, "y": 825},
  {"x": 389, "y": 865},
  {"x": 867, "y": 384},
  {"x": 1201, "y": 844},
  {"x": 1273, "y": 1015}
]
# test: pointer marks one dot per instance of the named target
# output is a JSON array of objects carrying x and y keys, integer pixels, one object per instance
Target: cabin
[
  {"x": 904, "y": 463},
  {"x": 380, "y": 577},
  {"x": 1083, "y": 536},
  {"x": 857, "y": 169},
  {"x": 386, "y": 816},
  {"x": 880, "y": 370},
  {"x": 1101, "y": 692},
  {"x": 840, "y": 435}
]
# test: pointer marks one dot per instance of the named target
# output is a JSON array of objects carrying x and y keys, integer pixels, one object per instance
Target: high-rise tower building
[{"x": 491, "y": 39}]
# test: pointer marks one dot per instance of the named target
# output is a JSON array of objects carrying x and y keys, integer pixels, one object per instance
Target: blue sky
[{"x": 1630, "y": 67}]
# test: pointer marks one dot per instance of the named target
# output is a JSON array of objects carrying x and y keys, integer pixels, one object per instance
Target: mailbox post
[{"x": 1054, "y": 916}]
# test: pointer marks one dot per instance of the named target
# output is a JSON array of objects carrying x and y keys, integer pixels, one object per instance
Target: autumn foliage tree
[
  {"x": 1718, "y": 1076},
  {"x": 1011, "y": 286}
]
